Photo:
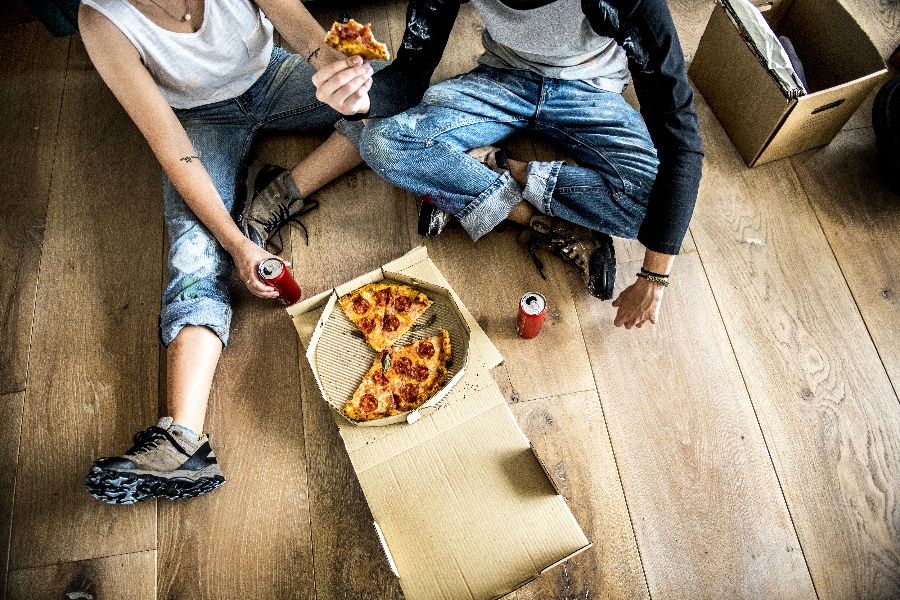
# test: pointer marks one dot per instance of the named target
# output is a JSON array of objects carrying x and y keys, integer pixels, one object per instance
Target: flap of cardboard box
[{"x": 465, "y": 508}]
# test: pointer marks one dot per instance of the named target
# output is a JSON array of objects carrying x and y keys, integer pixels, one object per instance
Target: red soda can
[
  {"x": 532, "y": 309},
  {"x": 274, "y": 272}
]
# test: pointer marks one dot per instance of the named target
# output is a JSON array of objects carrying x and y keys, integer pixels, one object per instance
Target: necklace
[{"x": 187, "y": 11}]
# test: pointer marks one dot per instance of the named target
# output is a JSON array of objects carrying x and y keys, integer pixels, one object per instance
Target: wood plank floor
[{"x": 747, "y": 446}]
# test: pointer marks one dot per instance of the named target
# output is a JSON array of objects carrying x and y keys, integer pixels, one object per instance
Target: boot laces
[
  {"x": 282, "y": 216},
  {"x": 558, "y": 245},
  {"x": 148, "y": 440}
]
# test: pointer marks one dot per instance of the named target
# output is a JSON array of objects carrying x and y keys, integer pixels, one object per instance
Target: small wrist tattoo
[
  {"x": 313, "y": 54},
  {"x": 188, "y": 159}
]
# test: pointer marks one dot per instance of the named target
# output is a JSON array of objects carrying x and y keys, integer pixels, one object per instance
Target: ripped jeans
[
  {"x": 282, "y": 99},
  {"x": 423, "y": 150}
]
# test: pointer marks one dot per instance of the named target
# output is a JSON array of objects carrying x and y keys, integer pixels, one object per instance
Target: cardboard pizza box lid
[{"x": 494, "y": 520}]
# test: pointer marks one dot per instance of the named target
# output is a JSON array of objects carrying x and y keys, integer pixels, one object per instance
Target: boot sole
[
  {"x": 602, "y": 267},
  {"x": 118, "y": 487},
  {"x": 886, "y": 123}
]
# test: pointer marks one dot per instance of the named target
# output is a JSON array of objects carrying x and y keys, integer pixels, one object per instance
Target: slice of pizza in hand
[{"x": 352, "y": 38}]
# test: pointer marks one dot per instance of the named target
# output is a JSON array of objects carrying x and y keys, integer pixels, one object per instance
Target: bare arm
[
  {"x": 119, "y": 64},
  {"x": 342, "y": 82}
]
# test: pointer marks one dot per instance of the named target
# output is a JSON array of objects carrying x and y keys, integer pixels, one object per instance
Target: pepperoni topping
[
  {"x": 360, "y": 305},
  {"x": 401, "y": 304},
  {"x": 366, "y": 325},
  {"x": 403, "y": 365},
  {"x": 383, "y": 297},
  {"x": 420, "y": 373},
  {"x": 368, "y": 403},
  {"x": 390, "y": 323},
  {"x": 409, "y": 391},
  {"x": 425, "y": 349},
  {"x": 395, "y": 401},
  {"x": 379, "y": 377}
]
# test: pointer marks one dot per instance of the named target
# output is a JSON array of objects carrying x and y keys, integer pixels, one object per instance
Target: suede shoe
[
  {"x": 492, "y": 157},
  {"x": 165, "y": 461},
  {"x": 271, "y": 201},
  {"x": 590, "y": 252}
]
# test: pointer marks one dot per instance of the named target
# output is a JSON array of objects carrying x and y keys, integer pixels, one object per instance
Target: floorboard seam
[
  {"x": 756, "y": 415},
  {"x": 615, "y": 457}
]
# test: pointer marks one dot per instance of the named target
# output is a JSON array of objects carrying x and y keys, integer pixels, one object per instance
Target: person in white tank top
[{"x": 200, "y": 79}]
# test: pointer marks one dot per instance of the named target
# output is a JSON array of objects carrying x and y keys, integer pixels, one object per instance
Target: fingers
[
  {"x": 260, "y": 288},
  {"x": 344, "y": 84}
]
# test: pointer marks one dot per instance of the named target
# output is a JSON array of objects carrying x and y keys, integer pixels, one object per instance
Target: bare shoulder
[{"x": 101, "y": 36}]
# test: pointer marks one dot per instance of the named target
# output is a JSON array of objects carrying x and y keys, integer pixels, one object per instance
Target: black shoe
[
  {"x": 590, "y": 252},
  {"x": 432, "y": 220},
  {"x": 886, "y": 123},
  {"x": 164, "y": 462}
]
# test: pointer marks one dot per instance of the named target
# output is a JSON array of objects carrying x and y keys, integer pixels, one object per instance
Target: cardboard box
[
  {"x": 842, "y": 68},
  {"x": 491, "y": 519}
]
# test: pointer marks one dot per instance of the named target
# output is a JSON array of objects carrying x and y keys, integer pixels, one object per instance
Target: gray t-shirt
[{"x": 555, "y": 40}]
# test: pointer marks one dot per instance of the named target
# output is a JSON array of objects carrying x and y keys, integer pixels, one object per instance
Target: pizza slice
[
  {"x": 401, "y": 379},
  {"x": 365, "y": 308},
  {"x": 404, "y": 306},
  {"x": 384, "y": 311},
  {"x": 373, "y": 398},
  {"x": 352, "y": 38},
  {"x": 418, "y": 370}
]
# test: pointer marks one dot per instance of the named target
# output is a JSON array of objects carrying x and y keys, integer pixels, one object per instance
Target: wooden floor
[{"x": 747, "y": 446}]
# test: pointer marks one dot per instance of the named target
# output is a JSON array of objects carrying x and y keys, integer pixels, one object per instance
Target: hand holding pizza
[{"x": 344, "y": 85}]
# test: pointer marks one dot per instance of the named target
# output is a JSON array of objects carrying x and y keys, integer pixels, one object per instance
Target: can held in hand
[
  {"x": 532, "y": 309},
  {"x": 274, "y": 272}
]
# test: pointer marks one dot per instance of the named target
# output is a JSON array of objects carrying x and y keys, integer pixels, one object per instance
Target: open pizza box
[{"x": 493, "y": 519}]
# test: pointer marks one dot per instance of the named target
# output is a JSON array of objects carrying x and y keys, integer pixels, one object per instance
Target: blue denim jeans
[
  {"x": 423, "y": 150},
  {"x": 282, "y": 99}
]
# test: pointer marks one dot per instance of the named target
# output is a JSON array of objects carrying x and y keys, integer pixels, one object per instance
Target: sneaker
[
  {"x": 164, "y": 462},
  {"x": 591, "y": 252},
  {"x": 432, "y": 220},
  {"x": 271, "y": 202}
]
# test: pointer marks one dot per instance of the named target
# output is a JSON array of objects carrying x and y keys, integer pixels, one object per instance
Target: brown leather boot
[{"x": 590, "y": 252}]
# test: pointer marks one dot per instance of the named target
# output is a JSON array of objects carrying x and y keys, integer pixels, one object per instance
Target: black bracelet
[
  {"x": 643, "y": 270},
  {"x": 654, "y": 279}
]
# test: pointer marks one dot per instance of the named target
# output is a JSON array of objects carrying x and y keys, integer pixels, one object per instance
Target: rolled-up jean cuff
[
  {"x": 203, "y": 312},
  {"x": 491, "y": 207},
  {"x": 352, "y": 129},
  {"x": 541, "y": 183}
]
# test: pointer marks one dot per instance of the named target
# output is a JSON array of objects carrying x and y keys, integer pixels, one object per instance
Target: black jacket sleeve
[
  {"x": 646, "y": 31},
  {"x": 402, "y": 84}
]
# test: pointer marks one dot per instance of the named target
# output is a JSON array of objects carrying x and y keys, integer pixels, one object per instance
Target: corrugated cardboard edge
[{"x": 387, "y": 551}]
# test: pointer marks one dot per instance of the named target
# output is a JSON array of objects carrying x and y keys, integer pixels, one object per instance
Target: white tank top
[{"x": 219, "y": 61}]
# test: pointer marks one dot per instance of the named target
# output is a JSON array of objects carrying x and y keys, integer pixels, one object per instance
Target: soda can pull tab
[{"x": 274, "y": 272}]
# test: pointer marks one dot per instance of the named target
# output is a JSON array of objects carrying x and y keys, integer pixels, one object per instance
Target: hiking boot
[
  {"x": 272, "y": 200},
  {"x": 492, "y": 157},
  {"x": 165, "y": 461},
  {"x": 590, "y": 252}
]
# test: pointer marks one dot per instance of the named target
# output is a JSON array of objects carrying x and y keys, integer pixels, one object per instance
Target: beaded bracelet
[
  {"x": 663, "y": 281},
  {"x": 643, "y": 270}
]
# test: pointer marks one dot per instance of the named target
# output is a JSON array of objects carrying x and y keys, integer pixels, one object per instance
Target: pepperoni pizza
[
  {"x": 384, "y": 311},
  {"x": 401, "y": 379},
  {"x": 352, "y": 38}
]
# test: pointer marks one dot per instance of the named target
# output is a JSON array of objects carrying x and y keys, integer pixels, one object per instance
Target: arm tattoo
[
  {"x": 188, "y": 159},
  {"x": 313, "y": 54}
]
